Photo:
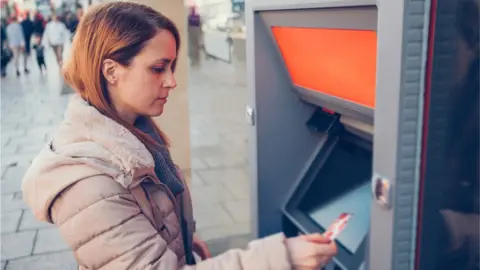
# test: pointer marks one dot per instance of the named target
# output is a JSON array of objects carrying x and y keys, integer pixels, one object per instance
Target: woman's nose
[{"x": 170, "y": 81}]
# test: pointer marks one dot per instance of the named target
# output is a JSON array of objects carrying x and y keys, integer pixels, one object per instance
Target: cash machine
[{"x": 336, "y": 108}]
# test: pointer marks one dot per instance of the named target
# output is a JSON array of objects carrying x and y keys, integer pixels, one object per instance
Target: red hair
[{"x": 116, "y": 31}]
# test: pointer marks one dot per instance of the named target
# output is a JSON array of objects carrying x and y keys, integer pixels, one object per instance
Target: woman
[
  {"x": 107, "y": 179},
  {"x": 16, "y": 42},
  {"x": 55, "y": 35}
]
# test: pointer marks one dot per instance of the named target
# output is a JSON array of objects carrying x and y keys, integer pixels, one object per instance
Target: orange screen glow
[{"x": 336, "y": 62}]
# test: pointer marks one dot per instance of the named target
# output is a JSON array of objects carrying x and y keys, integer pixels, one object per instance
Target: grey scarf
[{"x": 165, "y": 169}]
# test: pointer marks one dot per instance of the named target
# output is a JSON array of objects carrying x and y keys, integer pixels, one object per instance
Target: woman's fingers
[
  {"x": 328, "y": 250},
  {"x": 321, "y": 249},
  {"x": 317, "y": 238}
]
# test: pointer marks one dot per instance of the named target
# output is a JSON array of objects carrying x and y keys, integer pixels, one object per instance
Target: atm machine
[{"x": 344, "y": 119}]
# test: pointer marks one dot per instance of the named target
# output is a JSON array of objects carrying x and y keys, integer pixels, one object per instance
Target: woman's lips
[{"x": 162, "y": 100}]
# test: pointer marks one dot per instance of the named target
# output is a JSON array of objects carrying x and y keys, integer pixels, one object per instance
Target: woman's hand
[
  {"x": 201, "y": 248},
  {"x": 310, "y": 252}
]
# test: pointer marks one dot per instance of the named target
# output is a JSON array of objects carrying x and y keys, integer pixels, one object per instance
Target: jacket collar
[{"x": 103, "y": 140}]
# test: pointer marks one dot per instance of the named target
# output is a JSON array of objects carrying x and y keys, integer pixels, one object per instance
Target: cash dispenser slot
[{"x": 336, "y": 179}]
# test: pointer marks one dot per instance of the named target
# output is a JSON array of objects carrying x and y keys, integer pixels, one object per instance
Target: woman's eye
[{"x": 158, "y": 69}]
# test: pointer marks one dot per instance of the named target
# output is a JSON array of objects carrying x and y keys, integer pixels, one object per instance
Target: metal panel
[
  {"x": 402, "y": 40},
  {"x": 273, "y": 168},
  {"x": 336, "y": 104},
  {"x": 355, "y": 17},
  {"x": 259, "y": 5}
]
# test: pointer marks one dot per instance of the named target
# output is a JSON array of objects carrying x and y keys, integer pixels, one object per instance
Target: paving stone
[
  {"x": 198, "y": 163},
  {"x": 240, "y": 189},
  {"x": 219, "y": 246},
  {"x": 30, "y": 139},
  {"x": 5, "y": 140},
  {"x": 19, "y": 159},
  {"x": 17, "y": 245},
  {"x": 237, "y": 140},
  {"x": 10, "y": 203},
  {"x": 8, "y": 133},
  {"x": 40, "y": 130},
  {"x": 10, "y": 186},
  {"x": 29, "y": 222},
  {"x": 2, "y": 172},
  {"x": 9, "y": 149},
  {"x": 49, "y": 240},
  {"x": 221, "y": 231},
  {"x": 239, "y": 210},
  {"x": 12, "y": 180},
  {"x": 222, "y": 161},
  {"x": 33, "y": 148},
  {"x": 223, "y": 175},
  {"x": 201, "y": 152},
  {"x": 233, "y": 179},
  {"x": 18, "y": 195},
  {"x": 55, "y": 261},
  {"x": 196, "y": 180},
  {"x": 208, "y": 215},
  {"x": 14, "y": 173},
  {"x": 204, "y": 140},
  {"x": 210, "y": 194},
  {"x": 10, "y": 221}
]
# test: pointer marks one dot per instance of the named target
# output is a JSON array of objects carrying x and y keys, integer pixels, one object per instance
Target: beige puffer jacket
[{"x": 96, "y": 182}]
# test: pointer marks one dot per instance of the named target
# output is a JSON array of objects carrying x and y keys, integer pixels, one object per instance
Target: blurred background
[{"x": 204, "y": 119}]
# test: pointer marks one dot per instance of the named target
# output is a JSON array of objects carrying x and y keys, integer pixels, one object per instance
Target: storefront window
[{"x": 448, "y": 231}]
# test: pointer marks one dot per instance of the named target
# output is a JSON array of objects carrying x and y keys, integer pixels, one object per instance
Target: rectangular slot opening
[{"x": 336, "y": 180}]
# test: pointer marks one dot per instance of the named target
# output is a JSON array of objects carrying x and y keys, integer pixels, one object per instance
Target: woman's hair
[{"x": 117, "y": 31}]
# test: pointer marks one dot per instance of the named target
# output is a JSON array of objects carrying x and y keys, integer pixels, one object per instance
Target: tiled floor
[{"x": 220, "y": 184}]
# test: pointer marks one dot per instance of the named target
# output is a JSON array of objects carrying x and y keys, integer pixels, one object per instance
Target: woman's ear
[{"x": 109, "y": 70}]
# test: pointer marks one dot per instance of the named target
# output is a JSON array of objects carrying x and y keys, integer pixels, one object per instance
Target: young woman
[
  {"x": 16, "y": 42},
  {"x": 107, "y": 179},
  {"x": 55, "y": 35}
]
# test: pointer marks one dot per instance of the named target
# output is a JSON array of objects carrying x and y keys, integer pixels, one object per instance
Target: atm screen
[{"x": 343, "y": 184}]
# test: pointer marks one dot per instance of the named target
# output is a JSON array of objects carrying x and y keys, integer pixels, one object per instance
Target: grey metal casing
[
  {"x": 401, "y": 59},
  {"x": 280, "y": 144}
]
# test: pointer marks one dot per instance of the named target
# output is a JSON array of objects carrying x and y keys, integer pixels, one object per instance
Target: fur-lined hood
[{"x": 87, "y": 143}]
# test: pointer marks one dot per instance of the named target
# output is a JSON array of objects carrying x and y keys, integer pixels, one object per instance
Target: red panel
[{"x": 336, "y": 62}]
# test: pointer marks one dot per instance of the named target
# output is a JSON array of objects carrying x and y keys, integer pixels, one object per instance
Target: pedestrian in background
[
  {"x": 76, "y": 19},
  {"x": 55, "y": 36},
  {"x": 5, "y": 51},
  {"x": 39, "y": 53},
  {"x": 28, "y": 29},
  {"x": 107, "y": 178},
  {"x": 16, "y": 42},
  {"x": 38, "y": 25},
  {"x": 194, "y": 35}
]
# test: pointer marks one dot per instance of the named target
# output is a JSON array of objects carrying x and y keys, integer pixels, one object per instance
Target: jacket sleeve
[
  {"x": 102, "y": 223},
  {"x": 268, "y": 253},
  {"x": 104, "y": 226}
]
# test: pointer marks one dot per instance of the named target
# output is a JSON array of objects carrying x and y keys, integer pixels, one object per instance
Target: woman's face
[{"x": 142, "y": 88}]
